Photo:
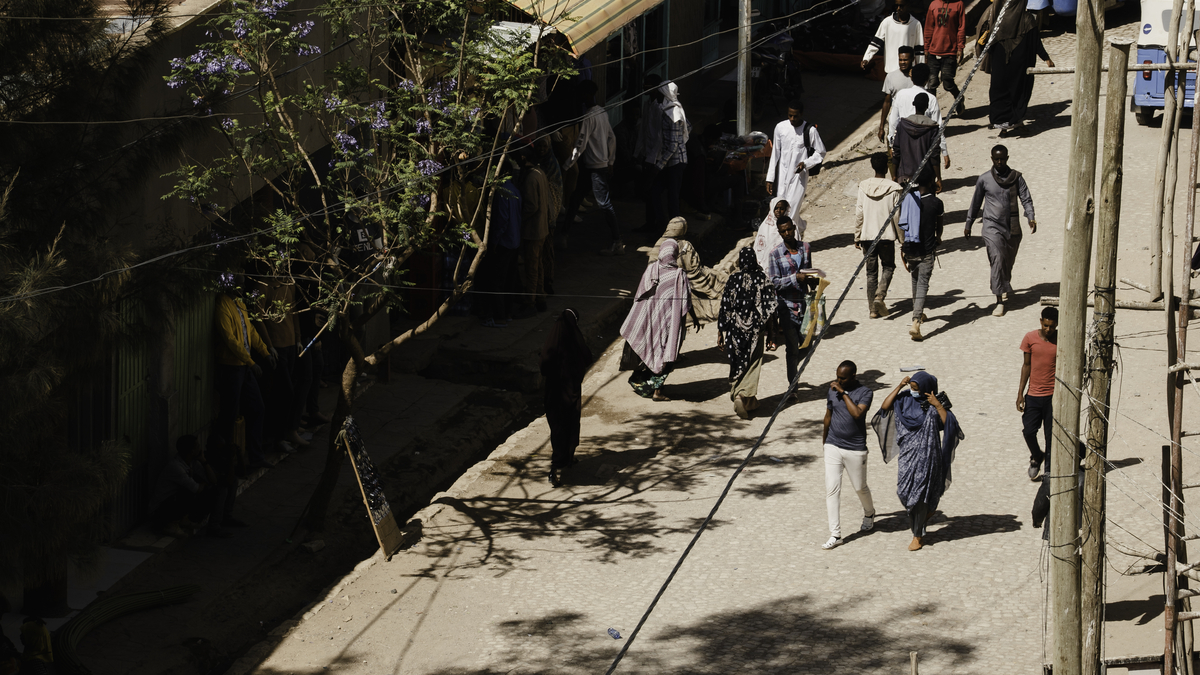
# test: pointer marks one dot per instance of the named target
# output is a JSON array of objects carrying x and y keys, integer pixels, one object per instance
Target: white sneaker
[
  {"x": 868, "y": 524},
  {"x": 999, "y": 311},
  {"x": 833, "y": 542}
]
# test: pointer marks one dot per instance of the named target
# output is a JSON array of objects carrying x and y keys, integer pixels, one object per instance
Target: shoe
[
  {"x": 578, "y": 219},
  {"x": 961, "y": 108},
  {"x": 915, "y": 331},
  {"x": 874, "y": 313},
  {"x": 739, "y": 407},
  {"x": 752, "y": 403},
  {"x": 833, "y": 543},
  {"x": 554, "y": 478},
  {"x": 999, "y": 310},
  {"x": 868, "y": 524},
  {"x": 1034, "y": 469},
  {"x": 230, "y": 521},
  {"x": 916, "y": 544},
  {"x": 587, "y": 203},
  {"x": 881, "y": 307}
]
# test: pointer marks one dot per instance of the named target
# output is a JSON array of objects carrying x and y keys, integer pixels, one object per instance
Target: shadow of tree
[
  {"x": 796, "y": 634},
  {"x": 830, "y": 242},
  {"x": 1144, "y": 611}
]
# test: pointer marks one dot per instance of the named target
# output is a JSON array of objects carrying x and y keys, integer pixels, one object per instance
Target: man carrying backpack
[{"x": 922, "y": 227}]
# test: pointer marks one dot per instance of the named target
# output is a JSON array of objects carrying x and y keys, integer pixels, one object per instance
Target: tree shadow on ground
[
  {"x": 698, "y": 391},
  {"x": 796, "y": 634},
  {"x": 607, "y": 505},
  {"x": 1044, "y": 117}
]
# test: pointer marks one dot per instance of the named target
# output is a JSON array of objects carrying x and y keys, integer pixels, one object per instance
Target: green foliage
[{"x": 375, "y": 133}]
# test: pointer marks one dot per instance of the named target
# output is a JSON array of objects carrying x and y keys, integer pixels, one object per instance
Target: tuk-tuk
[{"x": 1148, "y": 85}]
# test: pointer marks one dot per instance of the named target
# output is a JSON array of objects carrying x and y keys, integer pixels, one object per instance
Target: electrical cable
[{"x": 934, "y": 147}]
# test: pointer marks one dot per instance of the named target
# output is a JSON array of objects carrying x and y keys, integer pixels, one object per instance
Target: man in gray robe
[{"x": 996, "y": 195}]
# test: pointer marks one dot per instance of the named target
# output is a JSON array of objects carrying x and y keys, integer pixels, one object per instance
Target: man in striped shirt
[{"x": 895, "y": 31}]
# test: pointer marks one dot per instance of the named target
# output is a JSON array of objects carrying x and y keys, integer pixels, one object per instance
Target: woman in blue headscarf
[{"x": 924, "y": 436}]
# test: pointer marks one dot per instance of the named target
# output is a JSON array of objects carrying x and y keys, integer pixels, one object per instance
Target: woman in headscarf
[
  {"x": 768, "y": 232},
  {"x": 707, "y": 282},
  {"x": 654, "y": 329},
  {"x": 565, "y": 360},
  {"x": 38, "y": 657},
  {"x": 924, "y": 436},
  {"x": 672, "y": 156},
  {"x": 748, "y": 304},
  {"x": 1015, "y": 48}
]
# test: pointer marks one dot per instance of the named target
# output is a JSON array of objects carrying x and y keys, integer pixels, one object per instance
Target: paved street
[{"x": 515, "y": 576}]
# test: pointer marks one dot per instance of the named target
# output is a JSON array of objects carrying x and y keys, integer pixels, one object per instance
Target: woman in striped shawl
[{"x": 655, "y": 327}]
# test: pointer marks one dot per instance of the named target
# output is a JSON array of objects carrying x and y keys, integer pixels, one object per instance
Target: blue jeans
[
  {"x": 238, "y": 390},
  {"x": 921, "y": 268},
  {"x": 599, "y": 182}
]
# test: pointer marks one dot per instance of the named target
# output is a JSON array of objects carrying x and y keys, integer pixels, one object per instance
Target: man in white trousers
[{"x": 845, "y": 440}]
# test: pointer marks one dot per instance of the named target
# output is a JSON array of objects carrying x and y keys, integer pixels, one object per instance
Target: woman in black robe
[
  {"x": 1016, "y": 47},
  {"x": 565, "y": 360}
]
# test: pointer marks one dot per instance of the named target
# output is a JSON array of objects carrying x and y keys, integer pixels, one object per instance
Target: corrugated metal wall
[
  {"x": 131, "y": 425},
  {"x": 195, "y": 397}
]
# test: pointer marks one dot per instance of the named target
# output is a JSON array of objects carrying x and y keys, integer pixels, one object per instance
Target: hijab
[
  {"x": 672, "y": 108},
  {"x": 654, "y": 326},
  {"x": 909, "y": 411},
  {"x": 768, "y": 237},
  {"x": 565, "y": 355},
  {"x": 748, "y": 303},
  {"x": 1017, "y": 22},
  {"x": 677, "y": 227}
]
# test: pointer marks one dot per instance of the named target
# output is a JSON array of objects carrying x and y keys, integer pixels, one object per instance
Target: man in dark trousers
[
  {"x": 945, "y": 35},
  {"x": 844, "y": 436},
  {"x": 1036, "y": 406},
  {"x": 920, "y": 247},
  {"x": 995, "y": 202}
]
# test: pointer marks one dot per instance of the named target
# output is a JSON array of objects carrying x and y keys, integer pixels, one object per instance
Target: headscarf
[
  {"x": 565, "y": 356},
  {"x": 748, "y": 303},
  {"x": 654, "y": 326},
  {"x": 676, "y": 228},
  {"x": 36, "y": 639},
  {"x": 925, "y": 457},
  {"x": 672, "y": 108},
  {"x": 1016, "y": 24},
  {"x": 768, "y": 233}
]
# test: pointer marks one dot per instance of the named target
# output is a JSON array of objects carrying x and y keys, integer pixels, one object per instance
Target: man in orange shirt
[{"x": 1041, "y": 349}]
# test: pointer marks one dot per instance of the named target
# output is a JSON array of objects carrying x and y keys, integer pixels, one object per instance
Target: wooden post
[
  {"x": 743, "y": 68},
  {"x": 1077, "y": 255},
  {"x": 912, "y": 663},
  {"x": 1092, "y": 571},
  {"x": 1164, "y": 150},
  {"x": 1183, "y": 637}
]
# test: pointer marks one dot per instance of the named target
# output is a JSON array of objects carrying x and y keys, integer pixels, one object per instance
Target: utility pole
[
  {"x": 743, "y": 76},
  {"x": 1077, "y": 258},
  {"x": 1092, "y": 571},
  {"x": 1164, "y": 150}
]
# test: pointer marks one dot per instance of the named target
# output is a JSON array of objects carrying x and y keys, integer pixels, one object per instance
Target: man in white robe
[{"x": 787, "y": 174}]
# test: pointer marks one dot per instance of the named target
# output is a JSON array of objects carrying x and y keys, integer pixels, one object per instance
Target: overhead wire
[
  {"x": 391, "y": 190},
  {"x": 908, "y": 187}
]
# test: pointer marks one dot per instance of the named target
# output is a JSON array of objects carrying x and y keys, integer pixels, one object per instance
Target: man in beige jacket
[{"x": 877, "y": 198}]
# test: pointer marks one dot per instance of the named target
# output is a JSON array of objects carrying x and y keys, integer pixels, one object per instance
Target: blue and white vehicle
[{"x": 1149, "y": 85}]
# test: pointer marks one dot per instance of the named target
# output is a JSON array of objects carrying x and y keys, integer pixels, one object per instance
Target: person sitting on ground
[
  {"x": 655, "y": 327},
  {"x": 748, "y": 306},
  {"x": 707, "y": 283},
  {"x": 186, "y": 493},
  {"x": 38, "y": 657},
  {"x": 221, "y": 459}
]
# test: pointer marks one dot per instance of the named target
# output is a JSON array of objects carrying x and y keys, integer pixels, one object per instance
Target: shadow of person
[
  {"x": 952, "y": 239},
  {"x": 698, "y": 391},
  {"x": 703, "y": 356},
  {"x": 831, "y": 241},
  {"x": 954, "y": 528},
  {"x": 903, "y": 308},
  {"x": 1144, "y": 611}
]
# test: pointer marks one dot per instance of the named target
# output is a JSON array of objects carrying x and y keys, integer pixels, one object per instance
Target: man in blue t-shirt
[{"x": 845, "y": 438}]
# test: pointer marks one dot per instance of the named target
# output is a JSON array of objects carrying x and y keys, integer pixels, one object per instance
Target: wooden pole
[
  {"x": 1164, "y": 150},
  {"x": 743, "y": 68},
  {"x": 1092, "y": 571},
  {"x": 912, "y": 664},
  {"x": 1077, "y": 255},
  {"x": 1183, "y": 637}
]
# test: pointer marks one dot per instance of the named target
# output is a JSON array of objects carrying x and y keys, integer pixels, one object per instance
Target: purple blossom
[
  {"x": 270, "y": 7},
  {"x": 422, "y": 201},
  {"x": 346, "y": 142},
  {"x": 225, "y": 280},
  {"x": 429, "y": 167},
  {"x": 380, "y": 110},
  {"x": 308, "y": 50},
  {"x": 240, "y": 31},
  {"x": 227, "y": 124},
  {"x": 424, "y": 127},
  {"x": 302, "y": 29},
  {"x": 406, "y": 85},
  {"x": 332, "y": 101}
]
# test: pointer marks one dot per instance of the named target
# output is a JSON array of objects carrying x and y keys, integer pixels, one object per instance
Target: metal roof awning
[{"x": 586, "y": 23}]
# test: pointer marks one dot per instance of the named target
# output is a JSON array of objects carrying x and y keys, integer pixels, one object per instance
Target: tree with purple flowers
[{"x": 383, "y": 118}]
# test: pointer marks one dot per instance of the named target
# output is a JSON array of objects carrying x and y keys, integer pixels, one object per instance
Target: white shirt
[
  {"x": 891, "y": 36},
  {"x": 902, "y": 106}
]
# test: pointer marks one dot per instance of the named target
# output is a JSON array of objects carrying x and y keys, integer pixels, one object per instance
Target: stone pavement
[{"x": 515, "y": 576}]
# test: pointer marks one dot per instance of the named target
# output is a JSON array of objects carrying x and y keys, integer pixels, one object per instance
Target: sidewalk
[
  {"x": 454, "y": 395},
  {"x": 513, "y": 575}
]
